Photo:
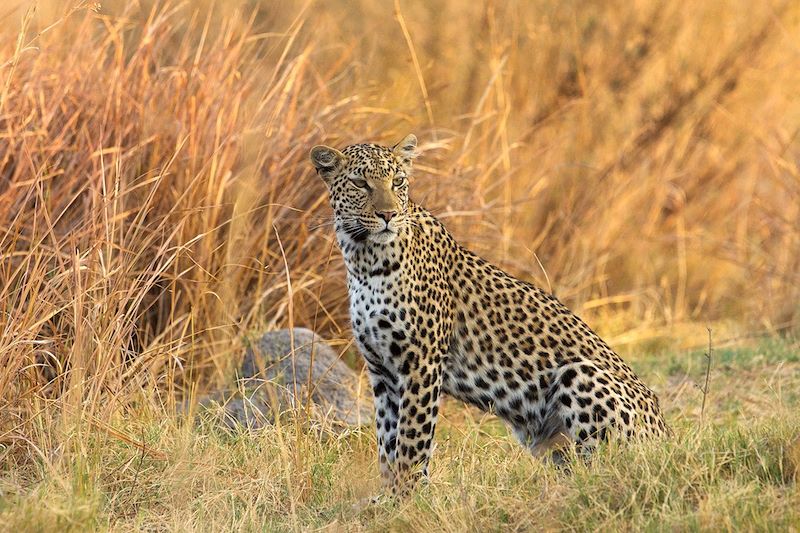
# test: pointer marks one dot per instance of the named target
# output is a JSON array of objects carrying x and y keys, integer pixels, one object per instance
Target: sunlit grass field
[
  {"x": 641, "y": 160},
  {"x": 734, "y": 468}
]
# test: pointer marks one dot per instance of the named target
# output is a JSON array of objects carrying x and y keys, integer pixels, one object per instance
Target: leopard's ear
[
  {"x": 328, "y": 161},
  {"x": 406, "y": 149}
]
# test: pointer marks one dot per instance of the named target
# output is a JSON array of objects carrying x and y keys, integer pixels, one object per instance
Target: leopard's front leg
[
  {"x": 420, "y": 384},
  {"x": 387, "y": 401}
]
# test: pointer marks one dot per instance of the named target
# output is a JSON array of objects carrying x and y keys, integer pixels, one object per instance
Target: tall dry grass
[{"x": 638, "y": 158}]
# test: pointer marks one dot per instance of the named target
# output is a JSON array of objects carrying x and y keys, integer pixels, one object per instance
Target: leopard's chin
[{"x": 383, "y": 237}]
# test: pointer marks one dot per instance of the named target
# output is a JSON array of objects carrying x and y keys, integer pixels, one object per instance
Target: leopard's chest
[{"x": 378, "y": 313}]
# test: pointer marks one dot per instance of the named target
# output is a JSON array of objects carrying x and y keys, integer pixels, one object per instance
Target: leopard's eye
[
  {"x": 399, "y": 181},
  {"x": 361, "y": 184}
]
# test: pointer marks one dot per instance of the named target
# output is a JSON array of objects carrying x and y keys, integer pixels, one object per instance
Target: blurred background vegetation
[{"x": 638, "y": 159}]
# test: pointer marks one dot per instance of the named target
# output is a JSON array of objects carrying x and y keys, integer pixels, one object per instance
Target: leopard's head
[{"x": 368, "y": 186}]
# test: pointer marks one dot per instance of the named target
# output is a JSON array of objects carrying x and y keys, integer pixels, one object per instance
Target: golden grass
[{"x": 640, "y": 159}]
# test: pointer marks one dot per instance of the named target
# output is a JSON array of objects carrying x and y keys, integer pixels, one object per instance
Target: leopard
[{"x": 432, "y": 318}]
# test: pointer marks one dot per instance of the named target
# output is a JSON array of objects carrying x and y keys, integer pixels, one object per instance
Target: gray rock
[{"x": 274, "y": 378}]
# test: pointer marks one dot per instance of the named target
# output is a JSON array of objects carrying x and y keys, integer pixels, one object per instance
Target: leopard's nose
[{"x": 386, "y": 215}]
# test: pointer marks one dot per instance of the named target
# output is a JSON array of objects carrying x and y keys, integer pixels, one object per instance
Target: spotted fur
[{"x": 431, "y": 317}]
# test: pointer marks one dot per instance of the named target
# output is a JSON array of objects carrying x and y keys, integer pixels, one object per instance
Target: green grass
[{"x": 738, "y": 470}]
